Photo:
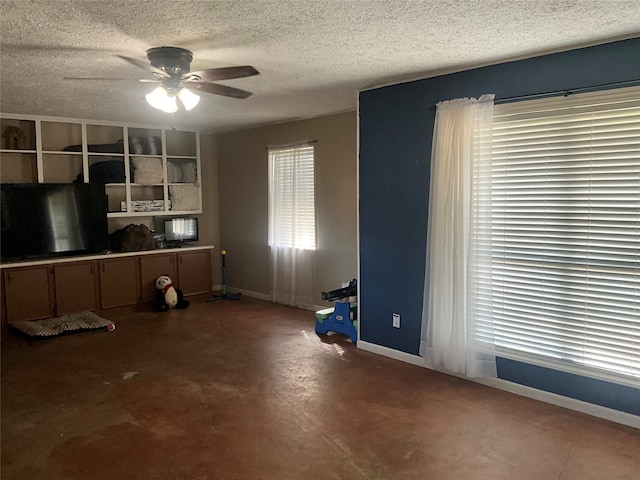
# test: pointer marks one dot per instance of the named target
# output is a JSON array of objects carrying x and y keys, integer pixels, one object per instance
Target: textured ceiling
[{"x": 313, "y": 55}]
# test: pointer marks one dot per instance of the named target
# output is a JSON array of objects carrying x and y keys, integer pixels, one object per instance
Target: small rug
[{"x": 73, "y": 322}]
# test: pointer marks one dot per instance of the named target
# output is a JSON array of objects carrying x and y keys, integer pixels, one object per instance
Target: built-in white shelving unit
[{"x": 146, "y": 170}]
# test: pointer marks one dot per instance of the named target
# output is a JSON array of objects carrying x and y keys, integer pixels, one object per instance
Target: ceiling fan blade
[
  {"x": 144, "y": 66},
  {"x": 217, "y": 89},
  {"x": 224, "y": 73}
]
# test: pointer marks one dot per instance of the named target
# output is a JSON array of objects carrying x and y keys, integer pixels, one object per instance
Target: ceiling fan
[{"x": 171, "y": 68}]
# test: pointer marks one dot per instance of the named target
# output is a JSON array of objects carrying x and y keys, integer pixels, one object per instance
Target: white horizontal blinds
[
  {"x": 558, "y": 231},
  {"x": 292, "y": 197}
]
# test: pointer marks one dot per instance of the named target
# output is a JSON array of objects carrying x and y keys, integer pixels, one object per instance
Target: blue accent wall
[
  {"x": 607, "y": 394},
  {"x": 396, "y": 128}
]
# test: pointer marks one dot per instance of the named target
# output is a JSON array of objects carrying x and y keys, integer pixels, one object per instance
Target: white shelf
[
  {"x": 49, "y": 163},
  {"x": 9, "y": 150},
  {"x": 60, "y": 152}
]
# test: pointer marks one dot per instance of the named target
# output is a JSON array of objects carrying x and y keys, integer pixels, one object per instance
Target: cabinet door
[
  {"x": 194, "y": 272},
  {"x": 151, "y": 267},
  {"x": 119, "y": 282},
  {"x": 76, "y": 287},
  {"x": 28, "y": 293}
]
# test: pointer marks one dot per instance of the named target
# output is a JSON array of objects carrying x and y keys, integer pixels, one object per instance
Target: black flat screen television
[
  {"x": 179, "y": 230},
  {"x": 50, "y": 219}
]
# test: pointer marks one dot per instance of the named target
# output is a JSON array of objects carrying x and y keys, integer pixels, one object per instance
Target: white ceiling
[{"x": 313, "y": 55}]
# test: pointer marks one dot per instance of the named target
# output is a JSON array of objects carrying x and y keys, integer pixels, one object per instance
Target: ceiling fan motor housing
[
  {"x": 171, "y": 66},
  {"x": 172, "y": 60}
]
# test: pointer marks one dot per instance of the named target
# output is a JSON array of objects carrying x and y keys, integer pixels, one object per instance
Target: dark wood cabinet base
[{"x": 117, "y": 283}]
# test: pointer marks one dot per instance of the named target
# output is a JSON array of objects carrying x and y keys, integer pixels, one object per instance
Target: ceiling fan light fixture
[
  {"x": 161, "y": 99},
  {"x": 188, "y": 98},
  {"x": 156, "y": 97},
  {"x": 170, "y": 104}
]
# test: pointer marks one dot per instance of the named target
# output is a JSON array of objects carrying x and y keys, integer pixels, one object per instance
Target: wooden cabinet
[
  {"x": 145, "y": 170},
  {"x": 151, "y": 267},
  {"x": 27, "y": 293},
  {"x": 75, "y": 287},
  {"x": 190, "y": 272},
  {"x": 46, "y": 289},
  {"x": 194, "y": 272},
  {"x": 119, "y": 282},
  {"x": 38, "y": 292}
]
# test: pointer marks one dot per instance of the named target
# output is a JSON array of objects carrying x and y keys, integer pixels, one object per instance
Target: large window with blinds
[
  {"x": 292, "y": 197},
  {"x": 558, "y": 226}
]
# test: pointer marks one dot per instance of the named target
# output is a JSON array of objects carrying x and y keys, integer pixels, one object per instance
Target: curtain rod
[
  {"x": 570, "y": 91},
  {"x": 293, "y": 144},
  {"x": 566, "y": 93}
]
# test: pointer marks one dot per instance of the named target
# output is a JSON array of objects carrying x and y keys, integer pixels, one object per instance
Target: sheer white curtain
[
  {"x": 451, "y": 338},
  {"x": 292, "y": 223},
  {"x": 291, "y": 276}
]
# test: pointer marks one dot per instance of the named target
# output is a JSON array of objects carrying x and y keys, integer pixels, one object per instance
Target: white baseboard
[
  {"x": 315, "y": 308},
  {"x": 248, "y": 293},
  {"x": 263, "y": 296},
  {"x": 515, "y": 388},
  {"x": 391, "y": 353}
]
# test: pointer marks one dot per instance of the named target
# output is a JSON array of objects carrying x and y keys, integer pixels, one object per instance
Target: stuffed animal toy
[{"x": 168, "y": 295}]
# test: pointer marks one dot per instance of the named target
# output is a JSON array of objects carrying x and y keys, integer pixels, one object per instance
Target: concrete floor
[{"x": 246, "y": 390}]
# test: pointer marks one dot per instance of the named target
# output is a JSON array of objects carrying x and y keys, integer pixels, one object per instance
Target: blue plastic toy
[{"x": 338, "y": 319}]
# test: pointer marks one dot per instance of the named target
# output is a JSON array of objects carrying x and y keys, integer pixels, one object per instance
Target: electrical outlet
[{"x": 396, "y": 320}]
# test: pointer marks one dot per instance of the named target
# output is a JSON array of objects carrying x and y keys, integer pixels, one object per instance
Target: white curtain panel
[
  {"x": 291, "y": 270},
  {"x": 451, "y": 339},
  {"x": 292, "y": 224}
]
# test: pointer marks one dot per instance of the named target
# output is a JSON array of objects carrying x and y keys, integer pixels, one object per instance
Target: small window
[{"x": 292, "y": 221}]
